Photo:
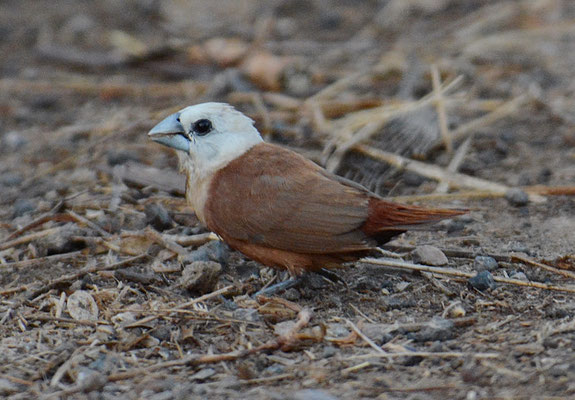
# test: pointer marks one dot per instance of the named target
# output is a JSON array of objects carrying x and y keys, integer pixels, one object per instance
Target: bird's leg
[
  {"x": 331, "y": 276},
  {"x": 280, "y": 287},
  {"x": 294, "y": 281}
]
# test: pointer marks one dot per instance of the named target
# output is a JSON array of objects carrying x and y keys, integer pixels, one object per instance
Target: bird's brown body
[
  {"x": 284, "y": 211},
  {"x": 272, "y": 204}
]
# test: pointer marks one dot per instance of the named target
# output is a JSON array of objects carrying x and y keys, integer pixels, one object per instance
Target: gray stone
[
  {"x": 247, "y": 314},
  {"x": 429, "y": 255},
  {"x": 311, "y": 394},
  {"x": 520, "y": 276},
  {"x": 23, "y": 206},
  {"x": 201, "y": 276},
  {"x": 158, "y": 217},
  {"x": 438, "y": 329},
  {"x": 517, "y": 197},
  {"x": 483, "y": 281},
  {"x": 485, "y": 263}
]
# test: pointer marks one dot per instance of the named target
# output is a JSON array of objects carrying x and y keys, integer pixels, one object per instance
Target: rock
[
  {"x": 292, "y": 294},
  {"x": 13, "y": 141},
  {"x": 10, "y": 179},
  {"x": 337, "y": 330},
  {"x": 215, "y": 250},
  {"x": 247, "y": 314},
  {"x": 517, "y": 197},
  {"x": 200, "y": 276},
  {"x": 311, "y": 394},
  {"x": 90, "y": 380},
  {"x": 456, "y": 311},
  {"x": 7, "y": 388},
  {"x": 203, "y": 374},
  {"x": 483, "y": 281},
  {"x": 22, "y": 206},
  {"x": 162, "y": 333},
  {"x": 454, "y": 226},
  {"x": 438, "y": 329},
  {"x": 520, "y": 276},
  {"x": 82, "y": 306},
  {"x": 398, "y": 303},
  {"x": 379, "y": 333},
  {"x": 485, "y": 263},
  {"x": 158, "y": 217},
  {"x": 61, "y": 242},
  {"x": 329, "y": 351},
  {"x": 429, "y": 255}
]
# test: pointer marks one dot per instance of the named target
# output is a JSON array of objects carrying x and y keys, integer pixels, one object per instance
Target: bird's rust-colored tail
[{"x": 385, "y": 215}]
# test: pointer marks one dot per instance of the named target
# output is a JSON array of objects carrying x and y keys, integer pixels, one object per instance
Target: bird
[{"x": 272, "y": 204}]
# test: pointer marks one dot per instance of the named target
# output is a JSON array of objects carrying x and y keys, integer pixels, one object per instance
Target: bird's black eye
[{"x": 202, "y": 127}]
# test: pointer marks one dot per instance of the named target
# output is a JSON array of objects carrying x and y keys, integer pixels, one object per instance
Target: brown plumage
[
  {"x": 274, "y": 205},
  {"x": 284, "y": 211}
]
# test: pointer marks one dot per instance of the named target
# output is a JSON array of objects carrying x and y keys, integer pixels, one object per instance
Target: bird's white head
[{"x": 207, "y": 136}]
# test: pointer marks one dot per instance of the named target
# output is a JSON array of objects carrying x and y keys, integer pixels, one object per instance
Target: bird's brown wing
[{"x": 276, "y": 198}]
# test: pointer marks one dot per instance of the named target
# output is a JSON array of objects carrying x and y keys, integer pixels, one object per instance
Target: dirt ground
[{"x": 102, "y": 263}]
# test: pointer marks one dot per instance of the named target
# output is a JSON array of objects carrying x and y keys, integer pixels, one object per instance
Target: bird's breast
[{"x": 197, "y": 190}]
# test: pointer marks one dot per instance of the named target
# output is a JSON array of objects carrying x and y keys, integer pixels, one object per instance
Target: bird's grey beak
[{"x": 171, "y": 133}]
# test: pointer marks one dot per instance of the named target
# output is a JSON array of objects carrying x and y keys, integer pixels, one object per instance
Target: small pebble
[
  {"x": 329, "y": 351},
  {"x": 90, "y": 380},
  {"x": 162, "y": 333},
  {"x": 82, "y": 307},
  {"x": 398, "y": 303},
  {"x": 485, "y": 263},
  {"x": 517, "y": 197},
  {"x": 10, "y": 179},
  {"x": 158, "y": 217},
  {"x": 311, "y": 394},
  {"x": 483, "y": 281},
  {"x": 200, "y": 276},
  {"x": 7, "y": 388},
  {"x": 457, "y": 311},
  {"x": 454, "y": 226},
  {"x": 13, "y": 141},
  {"x": 438, "y": 329},
  {"x": 520, "y": 276},
  {"x": 203, "y": 374},
  {"x": 429, "y": 255},
  {"x": 22, "y": 206},
  {"x": 247, "y": 314},
  {"x": 215, "y": 250},
  {"x": 292, "y": 294}
]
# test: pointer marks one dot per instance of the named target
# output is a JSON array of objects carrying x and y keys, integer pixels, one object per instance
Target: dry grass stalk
[
  {"x": 84, "y": 271},
  {"x": 30, "y": 238},
  {"x": 426, "y": 354},
  {"x": 502, "y": 111},
  {"x": 364, "y": 336},
  {"x": 454, "y": 164},
  {"x": 462, "y": 274},
  {"x": 528, "y": 261},
  {"x": 87, "y": 222},
  {"x": 360, "y": 126},
  {"x": 440, "y": 107},
  {"x": 282, "y": 342},
  {"x": 38, "y": 261},
  {"x": 453, "y": 179}
]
